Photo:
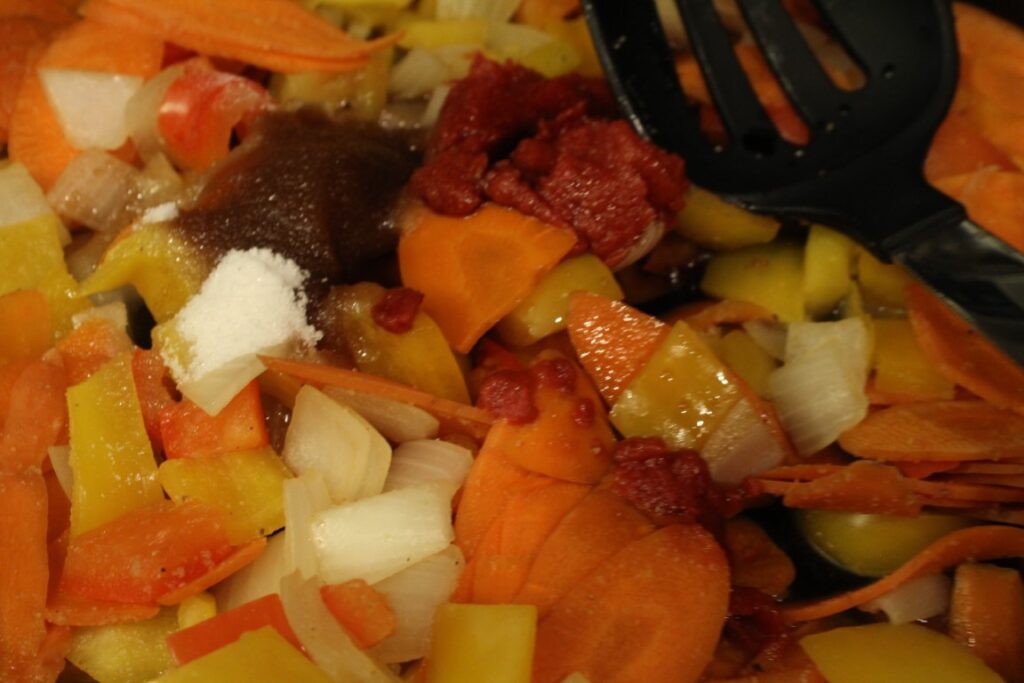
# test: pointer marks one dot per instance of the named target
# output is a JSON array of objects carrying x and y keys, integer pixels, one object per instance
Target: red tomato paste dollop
[{"x": 551, "y": 149}]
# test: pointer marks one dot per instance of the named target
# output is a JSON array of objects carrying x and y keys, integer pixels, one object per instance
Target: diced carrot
[
  {"x": 612, "y": 340},
  {"x": 989, "y": 196},
  {"x": 973, "y": 494},
  {"x": 862, "y": 487},
  {"x": 958, "y": 147},
  {"x": 363, "y": 612},
  {"x": 146, "y": 554},
  {"x": 276, "y": 35},
  {"x": 756, "y": 561},
  {"x": 987, "y": 615},
  {"x": 961, "y": 353},
  {"x": 35, "y": 419},
  {"x": 524, "y": 525},
  {"x": 21, "y": 41},
  {"x": 923, "y": 470},
  {"x": 598, "y": 527},
  {"x": 36, "y": 138},
  {"x": 212, "y": 634},
  {"x": 707, "y": 315},
  {"x": 155, "y": 389},
  {"x": 89, "y": 347},
  {"x": 187, "y": 431},
  {"x": 652, "y": 613},
  {"x": 454, "y": 416},
  {"x": 53, "y": 11},
  {"x": 25, "y": 320},
  {"x": 241, "y": 557},
  {"x": 473, "y": 271},
  {"x": 975, "y": 544},
  {"x": 939, "y": 431},
  {"x": 73, "y": 610},
  {"x": 1014, "y": 480}
]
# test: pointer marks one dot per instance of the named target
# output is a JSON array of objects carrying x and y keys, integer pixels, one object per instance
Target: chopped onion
[
  {"x": 328, "y": 436},
  {"x": 21, "y": 198},
  {"x": 304, "y": 497},
  {"x": 159, "y": 184},
  {"x": 819, "y": 391},
  {"x": 770, "y": 336},
  {"x": 416, "y": 74},
  {"x": 645, "y": 242},
  {"x": 85, "y": 253},
  {"x": 116, "y": 312},
  {"x": 60, "y": 458},
  {"x": 921, "y": 598},
  {"x": 398, "y": 422},
  {"x": 497, "y": 11},
  {"x": 142, "y": 112},
  {"x": 377, "y": 537},
  {"x": 215, "y": 389},
  {"x": 435, "y": 104},
  {"x": 741, "y": 446},
  {"x": 327, "y": 643},
  {"x": 95, "y": 190},
  {"x": 514, "y": 41},
  {"x": 428, "y": 461},
  {"x": 90, "y": 105},
  {"x": 258, "y": 578},
  {"x": 414, "y": 595}
]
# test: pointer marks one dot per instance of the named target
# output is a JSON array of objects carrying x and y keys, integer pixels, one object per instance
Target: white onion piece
[
  {"x": 428, "y": 461},
  {"x": 921, "y": 598},
  {"x": 90, "y": 105},
  {"x": 513, "y": 41},
  {"x": 328, "y": 436},
  {"x": 435, "y": 104},
  {"x": 60, "y": 458},
  {"x": 741, "y": 446},
  {"x": 770, "y": 336},
  {"x": 414, "y": 595},
  {"x": 96, "y": 190},
  {"x": 304, "y": 497},
  {"x": 377, "y": 537},
  {"x": 398, "y": 422},
  {"x": 643, "y": 245},
  {"x": 492, "y": 10},
  {"x": 850, "y": 334},
  {"x": 327, "y": 643},
  {"x": 21, "y": 198},
  {"x": 214, "y": 390},
  {"x": 416, "y": 74},
  {"x": 159, "y": 184},
  {"x": 116, "y": 312},
  {"x": 258, "y": 578},
  {"x": 142, "y": 112}
]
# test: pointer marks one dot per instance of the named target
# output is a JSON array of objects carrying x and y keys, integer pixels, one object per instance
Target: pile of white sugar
[{"x": 253, "y": 301}]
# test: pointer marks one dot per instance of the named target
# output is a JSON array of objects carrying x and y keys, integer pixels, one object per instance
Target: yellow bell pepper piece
[
  {"x": 753, "y": 364},
  {"x": 716, "y": 224},
  {"x": 165, "y": 269},
  {"x": 770, "y": 275},
  {"x": 828, "y": 269},
  {"x": 362, "y": 92},
  {"x": 905, "y": 653},
  {"x": 681, "y": 395},
  {"x": 420, "y": 357},
  {"x": 544, "y": 311},
  {"x": 881, "y": 283},
  {"x": 111, "y": 457},
  {"x": 492, "y": 643},
  {"x": 196, "y": 609},
  {"x": 434, "y": 34},
  {"x": 61, "y": 292},
  {"x": 125, "y": 653},
  {"x": 29, "y": 252},
  {"x": 900, "y": 365},
  {"x": 260, "y": 656},
  {"x": 245, "y": 484}
]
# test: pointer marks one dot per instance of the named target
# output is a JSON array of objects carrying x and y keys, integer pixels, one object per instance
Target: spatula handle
[{"x": 975, "y": 272}]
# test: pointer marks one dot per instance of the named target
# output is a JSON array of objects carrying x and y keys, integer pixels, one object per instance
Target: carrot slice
[
  {"x": 976, "y": 544},
  {"x": 276, "y": 35},
  {"x": 236, "y": 561},
  {"x": 454, "y": 416},
  {"x": 25, "y": 320},
  {"x": 863, "y": 487},
  {"x": 961, "y": 353},
  {"x": 612, "y": 340},
  {"x": 21, "y": 42},
  {"x": 363, "y": 612},
  {"x": 527, "y": 520},
  {"x": 958, "y": 147},
  {"x": 987, "y": 615},
  {"x": 36, "y": 417},
  {"x": 53, "y": 11},
  {"x": 67, "y": 609},
  {"x": 707, "y": 315},
  {"x": 653, "y": 612},
  {"x": 52, "y": 653},
  {"x": 473, "y": 271},
  {"x": 940, "y": 431},
  {"x": 756, "y": 561},
  {"x": 599, "y": 526},
  {"x": 36, "y": 137}
]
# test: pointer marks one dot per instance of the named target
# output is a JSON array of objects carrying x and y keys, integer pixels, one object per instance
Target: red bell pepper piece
[
  {"x": 187, "y": 431},
  {"x": 360, "y": 610}
]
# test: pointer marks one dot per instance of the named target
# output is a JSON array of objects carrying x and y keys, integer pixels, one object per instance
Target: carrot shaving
[
  {"x": 989, "y": 468},
  {"x": 987, "y": 615},
  {"x": 923, "y": 470},
  {"x": 972, "y": 544},
  {"x": 21, "y": 42},
  {"x": 862, "y": 487},
  {"x": 707, "y": 315},
  {"x": 241, "y": 557}
]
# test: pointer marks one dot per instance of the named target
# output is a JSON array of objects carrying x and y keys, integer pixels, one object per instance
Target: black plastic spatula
[{"x": 861, "y": 170}]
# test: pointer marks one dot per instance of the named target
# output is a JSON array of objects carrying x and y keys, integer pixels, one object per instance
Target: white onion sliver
[
  {"x": 850, "y": 335},
  {"x": 414, "y": 595},
  {"x": 769, "y": 336},
  {"x": 142, "y": 112},
  {"x": 327, "y": 643},
  {"x": 921, "y": 598},
  {"x": 90, "y": 105},
  {"x": 257, "y": 579},
  {"x": 116, "y": 312},
  {"x": 60, "y": 458},
  {"x": 416, "y": 74},
  {"x": 377, "y": 537},
  {"x": 304, "y": 497},
  {"x": 435, "y": 104},
  {"x": 95, "y": 190},
  {"x": 491, "y": 10},
  {"x": 645, "y": 242},
  {"x": 741, "y": 446},
  {"x": 428, "y": 461},
  {"x": 21, "y": 198},
  {"x": 398, "y": 422}
]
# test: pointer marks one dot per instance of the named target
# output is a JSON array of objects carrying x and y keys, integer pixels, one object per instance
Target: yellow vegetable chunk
[
  {"x": 361, "y": 93},
  {"x": 125, "y": 653},
  {"x": 245, "y": 484},
  {"x": 715, "y": 223},
  {"x": 681, "y": 395},
  {"x": 111, "y": 457},
  {"x": 473, "y": 643},
  {"x": 164, "y": 269},
  {"x": 260, "y": 656},
  {"x": 828, "y": 269},
  {"x": 435, "y": 34},
  {"x": 195, "y": 609},
  {"x": 889, "y": 653},
  {"x": 420, "y": 357},
  {"x": 881, "y": 283},
  {"x": 61, "y": 292},
  {"x": 752, "y": 363},
  {"x": 39, "y": 237},
  {"x": 770, "y": 275},
  {"x": 544, "y": 311},
  {"x": 902, "y": 368}
]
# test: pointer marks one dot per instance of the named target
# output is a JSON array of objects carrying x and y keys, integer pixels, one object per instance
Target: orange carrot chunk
[
  {"x": 89, "y": 347},
  {"x": 236, "y": 560},
  {"x": 363, "y": 612},
  {"x": 22, "y": 39},
  {"x": 27, "y": 328},
  {"x": 987, "y": 615},
  {"x": 36, "y": 417}
]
